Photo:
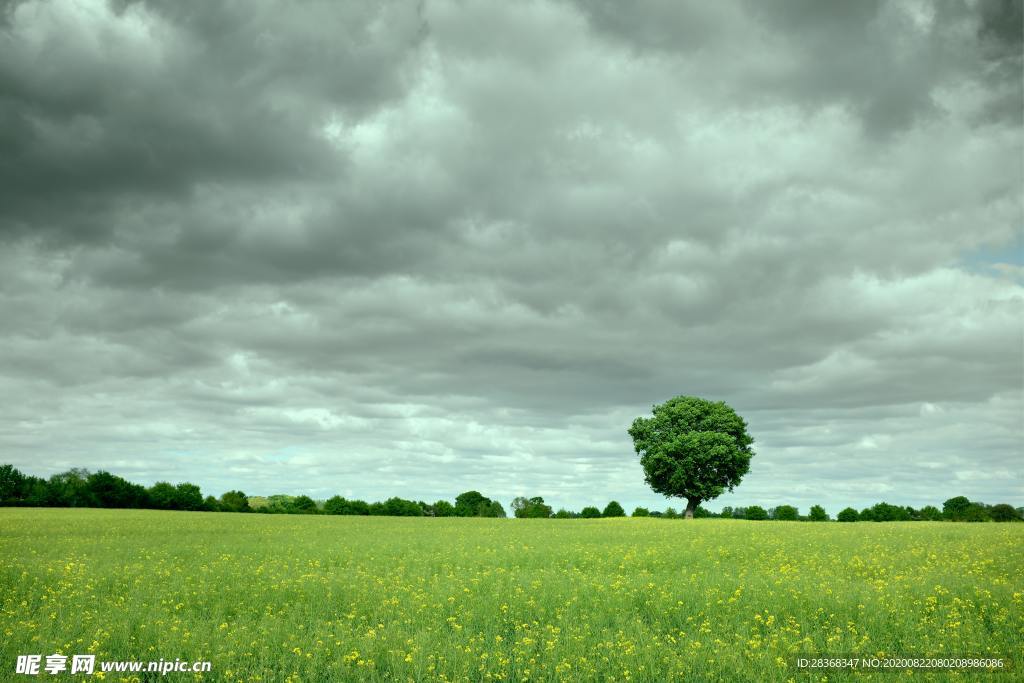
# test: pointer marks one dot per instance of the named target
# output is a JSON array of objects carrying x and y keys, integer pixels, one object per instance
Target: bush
[
  {"x": 641, "y": 512},
  {"x": 756, "y": 512},
  {"x": 786, "y": 513},
  {"x": 234, "y": 501},
  {"x": 590, "y": 512},
  {"x": 1003, "y": 512},
  {"x": 613, "y": 509},
  {"x": 531, "y": 508},
  {"x": 848, "y": 515},
  {"x": 955, "y": 508},
  {"x": 443, "y": 508},
  {"x": 817, "y": 514},
  {"x": 303, "y": 505}
]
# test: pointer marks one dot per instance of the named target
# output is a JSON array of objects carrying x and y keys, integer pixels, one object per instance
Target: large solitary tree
[{"x": 692, "y": 448}]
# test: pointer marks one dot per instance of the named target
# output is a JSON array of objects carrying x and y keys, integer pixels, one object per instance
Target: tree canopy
[{"x": 692, "y": 448}]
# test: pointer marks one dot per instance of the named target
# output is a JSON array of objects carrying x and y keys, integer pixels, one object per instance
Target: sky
[{"x": 391, "y": 248}]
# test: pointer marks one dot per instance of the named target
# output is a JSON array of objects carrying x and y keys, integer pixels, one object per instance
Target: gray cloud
[{"x": 383, "y": 248}]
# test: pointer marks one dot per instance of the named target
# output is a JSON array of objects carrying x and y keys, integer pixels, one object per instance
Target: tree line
[{"x": 81, "y": 488}]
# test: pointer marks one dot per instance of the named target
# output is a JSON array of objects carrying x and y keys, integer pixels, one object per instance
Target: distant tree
[
  {"x": 726, "y": 512},
  {"x": 335, "y": 505},
  {"x": 189, "y": 496},
  {"x": 739, "y": 513},
  {"x": 71, "y": 489},
  {"x": 1003, "y": 512},
  {"x": 111, "y": 491},
  {"x": 670, "y": 513},
  {"x": 303, "y": 505},
  {"x": 164, "y": 496},
  {"x": 641, "y": 512},
  {"x": 884, "y": 512},
  {"x": 786, "y": 513},
  {"x": 930, "y": 513},
  {"x": 817, "y": 514},
  {"x": 590, "y": 512},
  {"x": 657, "y": 513},
  {"x": 443, "y": 508},
  {"x": 12, "y": 483},
  {"x": 956, "y": 508},
  {"x": 867, "y": 515},
  {"x": 358, "y": 507},
  {"x": 562, "y": 514},
  {"x": 702, "y": 512},
  {"x": 848, "y": 515},
  {"x": 469, "y": 504},
  {"x": 234, "y": 501},
  {"x": 756, "y": 512},
  {"x": 211, "y": 504},
  {"x": 493, "y": 509},
  {"x": 976, "y": 512},
  {"x": 530, "y": 507},
  {"x": 693, "y": 449},
  {"x": 613, "y": 509},
  {"x": 399, "y": 507}
]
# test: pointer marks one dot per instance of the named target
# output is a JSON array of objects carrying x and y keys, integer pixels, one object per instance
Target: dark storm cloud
[{"x": 378, "y": 248}]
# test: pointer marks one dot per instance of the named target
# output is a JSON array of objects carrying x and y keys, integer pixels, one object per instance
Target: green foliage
[
  {"x": 956, "y": 508},
  {"x": 613, "y": 509},
  {"x": 817, "y": 514},
  {"x": 755, "y": 512},
  {"x": 164, "y": 496},
  {"x": 71, "y": 489},
  {"x": 590, "y": 512},
  {"x": 976, "y": 512},
  {"x": 884, "y": 512},
  {"x": 848, "y": 515},
  {"x": 1003, "y": 512},
  {"x": 786, "y": 513},
  {"x": 929, "y": 513},
  {"x": 693, "y": 449},
  {"x": 563, "y": 514},
  {"x": 336, "y": 505},
  {"x": 399, "y": 507},
  {"x": 641, "y": 512},
  {"x": 443, "y": 508},
  {"x": 475, "y": 504},
  {"x": 531, "y": 507},
  {"x": 303, "y": 505},
  {"x": 671, "y": 513},
  {"x": 234, "y": 501},
  {"x": 111, "y": 491}
]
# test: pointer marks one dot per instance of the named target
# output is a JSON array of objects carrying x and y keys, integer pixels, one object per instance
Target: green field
[{"x": 320, "y": 598}]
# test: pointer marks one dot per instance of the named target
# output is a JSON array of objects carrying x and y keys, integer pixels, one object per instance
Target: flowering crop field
[{"x": 320, "y": 598}]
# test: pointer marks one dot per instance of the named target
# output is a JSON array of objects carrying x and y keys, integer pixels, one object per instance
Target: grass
[{"x": 297, "y": 598}]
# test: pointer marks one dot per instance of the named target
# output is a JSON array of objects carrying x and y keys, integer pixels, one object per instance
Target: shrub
[
  {"x": 848, "y": 515},
  {"x": 756, "y": 512},
  {"x": 1004, "y": 512},
  {"x": 786, "y": 513},
  {"x": 613, "y": 509},
  {"x": 817, "y": 514}
]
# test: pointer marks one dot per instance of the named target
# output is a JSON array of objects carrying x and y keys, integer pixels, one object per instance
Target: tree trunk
[{"x": 691, "y": 505}]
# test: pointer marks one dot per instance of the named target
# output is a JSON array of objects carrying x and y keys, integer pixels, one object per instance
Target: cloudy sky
[{"x": 395, "y": 248}]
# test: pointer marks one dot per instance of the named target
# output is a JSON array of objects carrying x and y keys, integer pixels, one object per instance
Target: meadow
[{"x": 333, "y": 598}]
